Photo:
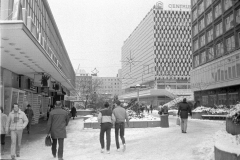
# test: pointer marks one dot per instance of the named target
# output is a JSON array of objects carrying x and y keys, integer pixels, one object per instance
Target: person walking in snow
[
  {"x": 29, "y": 113},
  {"x": 106, "y": 120},
  {"x": 3, "y": 130},
  {"x": 56, "y": 126},
  {"x": 120, "y": 115},
  {"x": 151, "y": 108},
  {"x": 183, "y": 110},
  {"x": 16, "y": 122},
  {"x": 73, "y": 112}
]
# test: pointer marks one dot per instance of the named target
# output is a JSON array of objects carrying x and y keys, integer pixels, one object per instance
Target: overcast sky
[{"x": 93, "y": 31}]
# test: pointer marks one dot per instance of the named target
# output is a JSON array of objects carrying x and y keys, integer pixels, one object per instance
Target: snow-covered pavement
[{"x": 142, "y": 143}]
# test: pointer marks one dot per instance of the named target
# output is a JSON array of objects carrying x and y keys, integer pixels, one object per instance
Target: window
[
  {"x": 209, "y": 18},
  {"x": 201, "y": 24},
  {"x": 205, "y": 100},
  {"x": 194, "y": 2},
  {"x": 238, "y": 16},
  {"x": 218, "y": 10},
  {"x": 203, "y": 57},
  {"x": 227, "y": 4},
  {"x": 218, "y": 29},
  {"x": 194, "y": 14},
  {"x": 230, "y": 43},
  {"x": 196, "y": 60},
  {"x": 195, "y": 45},
  {"x": 229, "y": 22},
  {"x": 201, "y": 8},
  {"x": 195, "y": 30},
  {"x": 202, "y": 40},
  {"x": 208, "y": 3},
  {"x": 222, "y": 99},
  {"x": 210, "y": 35},
  {"x": 210, "y": 53},
  {"x": 219, "y": 49}
]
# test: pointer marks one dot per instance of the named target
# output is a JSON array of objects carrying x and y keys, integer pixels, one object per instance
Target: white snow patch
[{"x": 227, "y": 142}]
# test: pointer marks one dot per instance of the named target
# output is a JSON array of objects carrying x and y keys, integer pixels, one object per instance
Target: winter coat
[
  {"x": 21, "y": 119},
  {"x": 183, "y": 110},
  {"x": 3, "y": 123},
  {"x": 57, "y": 122},
  {"x": 120, "y": 115},
  {"x": 29, "y": 113},
  {"x": 106, "y": 116},
  {"x": 73, "y": 112}
]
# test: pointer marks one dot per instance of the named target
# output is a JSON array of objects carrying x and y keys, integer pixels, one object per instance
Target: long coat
[
  {"x": 73, "y": 112},
  {"x": 183, "y": 110},
  {"x": 57, "y": 122},
  {"x": 29, "y": 113}
]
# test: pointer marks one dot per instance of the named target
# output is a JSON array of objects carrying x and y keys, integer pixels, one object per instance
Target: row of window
[
  {"x": 218, "y": 28},
  {"x": 217, "y": 9},
  {"x": 228, "y": 23},
  {"x": 222, "y": 99},
  {"x": 215, "y": 51}
]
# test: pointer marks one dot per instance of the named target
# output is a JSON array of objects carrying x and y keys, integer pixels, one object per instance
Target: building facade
[
  {"x": 158, "y": 54},
  {"x": 108, "y": 86},
  {"x": 35, "y": 67},
  {"x": 83, "y": 83},
  {"x": 215, "y": 78}
]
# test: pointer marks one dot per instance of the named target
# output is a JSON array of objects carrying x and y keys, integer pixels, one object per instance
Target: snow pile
[
  {"x": 201, "y": 109},
  {"x": 227, "y": 142},
  {"x": 218, "y": 111},
  {"x": 91, "y": 119},
  {"x": 178, "y": 99}
]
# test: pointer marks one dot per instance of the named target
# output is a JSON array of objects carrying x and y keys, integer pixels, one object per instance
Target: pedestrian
[
  {"x": 183, "y": 111},
  {"x": 29, "y": 113},
  {"x": 56, "y": 126},
  {"x": 106, "y": 120},
  {"x": 3, "y": 130},
  {"x": 120, "y": 115},
  {"x": 151, "y": 108},
  {"x": 148, "y": 108},
  {"x": 16, "y": 122},
  {"x": 73, "y": 112},
  {"x": 48, "y": 111}
]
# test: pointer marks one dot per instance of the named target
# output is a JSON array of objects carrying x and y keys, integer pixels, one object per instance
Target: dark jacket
[
  {"x": 29, "y": 113},
  {"x": 73, "y": 112},
  {"x": 106, "y": 116},
  {"x": 183, "y": 110},
  {"x": 57, "y": 122}
]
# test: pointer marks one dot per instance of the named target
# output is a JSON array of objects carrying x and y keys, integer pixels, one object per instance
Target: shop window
[
  {"x": 232, "y": 98},
  {"x": 212, "y": 100},
  {"x": 205, "y": 100},
  {"x": 222, "y": 99}
]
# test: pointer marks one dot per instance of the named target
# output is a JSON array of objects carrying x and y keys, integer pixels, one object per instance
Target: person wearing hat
[
  {"x": 29, "y": 113},
  {"x": 183, "y": 110}
]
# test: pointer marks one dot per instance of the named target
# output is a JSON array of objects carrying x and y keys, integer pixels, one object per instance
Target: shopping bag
[
  {"x": 178, "y": 121},
  {"x": 48, "y": 141}
]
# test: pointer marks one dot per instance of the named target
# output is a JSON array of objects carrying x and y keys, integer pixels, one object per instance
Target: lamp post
[{"x": 138, "y": 86}]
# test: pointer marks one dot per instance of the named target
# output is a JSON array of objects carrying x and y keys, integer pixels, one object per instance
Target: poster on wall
[{"x": 42, "y": 80}]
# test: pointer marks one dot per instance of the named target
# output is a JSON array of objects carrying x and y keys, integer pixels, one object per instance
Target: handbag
[
  {"x": 48, "y": 141},
  {"x": 178, "y": 121}
]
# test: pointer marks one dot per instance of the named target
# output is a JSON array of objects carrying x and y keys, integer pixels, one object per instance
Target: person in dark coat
[
  {"x": 183, "y": 110},
  {"x": 56, "y": 126},
  {"x": 73, "y": 112},
  {"x": 29, "y": 113}
]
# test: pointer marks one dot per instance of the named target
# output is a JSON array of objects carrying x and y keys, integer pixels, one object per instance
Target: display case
[{"x": 11, "y": 96}]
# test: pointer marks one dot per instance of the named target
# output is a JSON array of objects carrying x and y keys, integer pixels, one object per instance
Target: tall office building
[
  {"x": 215, "y": 77},
  {"x": 35, "y": 67},
  {"x": 158, "y": 54}
]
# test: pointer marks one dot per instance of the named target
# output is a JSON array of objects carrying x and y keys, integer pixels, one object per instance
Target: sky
[{"x": 94, "y": 31}]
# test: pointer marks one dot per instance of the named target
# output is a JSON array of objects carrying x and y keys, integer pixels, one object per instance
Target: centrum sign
[{"x": 180, "y": 6}]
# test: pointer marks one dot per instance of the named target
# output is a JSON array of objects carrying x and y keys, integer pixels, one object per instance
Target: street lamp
[{"x": 138, "y": 86}]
